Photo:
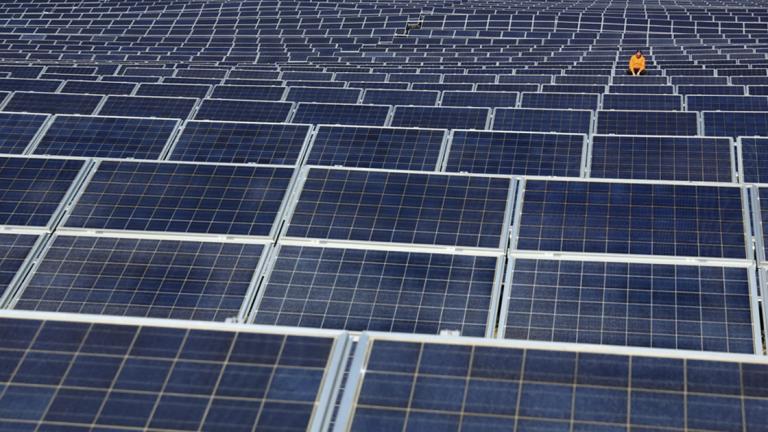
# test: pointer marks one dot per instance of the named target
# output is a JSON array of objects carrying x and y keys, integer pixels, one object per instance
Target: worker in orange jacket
[{"x": 637, "y": 64}]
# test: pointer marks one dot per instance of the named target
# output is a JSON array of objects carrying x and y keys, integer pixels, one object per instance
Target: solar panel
[
  {"x": 142, "y": 277},
  {"x": 18, "y": 130},
  {"x": 440, "y": 87},
  {"x": 631, "y": 304},
  {"x": 358, "y": 290},
  {"x": 99, "y": 87},
  {"x": 516, "y": 153},
  {"x": 240, "y": 110},
  {"x": 248, "y": 92},
  {"x": 726, "y": 103},
  {"x": 32, "y": 190},
  {"x": 52, "y": 103},
  {"x": 173, "y": 90},
  {"x": 647, "y": 123},
  {"x": 117, "y": 137},
  {"x": 400, "y": 97},
  {"x": 560, "y": 101},
  {"x": 479, "y": 99},
  {"x": 642, "y": 89},
  {"x": 735, "y": 124},
  {"x": 662, "y": 158},
  {"x": 520, "y": 88},
  {"x": 762, "y": 195},
  {"x": 120, "y": 376},
  {"x": 402, "y": 207},
  {"x": 440, "y": 117},
  {"x": 644, "y": 102},
  {"x": 632, "y": 218},
  {"x": 374, "y": 147},
  {"x": 148, "y": 106},
  {"x": 721, "y": 90},
  {"x": 430, "y": 383},
  {"x": 33, "y": 85},
  {"x": 182, "y": 197},
  {"x": 753, "y": 159},
  {"x": 341, "y": 114},
  {"x": 382, "y": 85},
  {"x": 542, "y": 120},
  {"x": 322, "y": 94},
  {"x": 14, "y": 252},
  {"x": 525, "y": 79},
  {"x": 229, "y": 142},
  {"x": 573, "y": 88}
]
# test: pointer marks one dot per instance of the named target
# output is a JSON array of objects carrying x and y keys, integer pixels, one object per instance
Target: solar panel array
[{"x": 389, "y": 215}]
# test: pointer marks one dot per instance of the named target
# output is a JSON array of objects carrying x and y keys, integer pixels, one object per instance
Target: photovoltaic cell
[
  {"x": 147, "y": 106},
  {"x": 419, "y": 386},
  {"x": 182, "y": 197},
  {"x": 341, "y": 114},
  {"x": 400, "y": 97},
  {"x": 647, "y": 305},
  {"x": 131, "y": 377},
  {"x": 735, "y": 124},
  {"x": 14, "y": 250},
  {"x": 373, "y": 147},
  {"x": 647, "y": 123},
  {"x": 435, "y": 209},
  {"x": 117, "y": 137},
  {"x": 645, "y": 219},
  {"x": 98, "y": 87},
  {"x": 378, "y": 290},
  {"x": 542, "y": 120},
  {"x": 440, "y": 117},
  {"x": 479, "y": 99},
  {"x": 246, "y": 111},
  {"x": 727, "y": 103},
  {"x": 17, "y": 131},
  {"x": 573, "y": 88},
  {"x": 32, "y": 189},
  {"x": 516, "y": 153},
  {"x": 52, "y": 103},
  {"x": 264, "y": 93},
  {"x": 142, "y": 277},
  {"x": 721, "y": 90},
  {"x": 661, "y": 158},
  {"x": 754, "y": 160},
  {"x": 32, "y": 85},
  {"x": 560, "y": 101},
  {"x": 229, "y": 142},
  {"x": 763, "y": 195},
  {"x": 322, "y": 94},
  {"x": 644, "y": 102},
  {"x": 174, "y": 90}
]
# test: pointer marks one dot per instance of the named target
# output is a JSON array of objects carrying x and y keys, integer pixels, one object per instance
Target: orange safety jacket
[{"x": 637, "y": 63}]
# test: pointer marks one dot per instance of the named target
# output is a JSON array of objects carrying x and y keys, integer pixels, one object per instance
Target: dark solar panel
[
  {"x": 685, "y": 90},
  {"x": 33, "y": 189},
  {"x": 647, "y": 123},
  {"x": 173, "y": 90},
  {"x": 400, "y": 97},
  {"x": 33, "y": 85},
  {"x": 142, "y": 277},
  {"x": 373, "y": 147},
  {"x": 244, "y": 111},
  {"x": 117, "y": 137},
  {"x": 642, "y": 89},
  {"x": 735, "y": 124},
  {"x": 648, "y": 305},
  {"x": 102, "y": 88},
  {"x": 763, "y": 199},
  {"x": 516, "y": 153},
  {"x": 661, "y": 158},
  {"x": 573, "y": 88},
  {"x": 415, "y": 386},
  {"x": 560, "y": 101},
  {"x": 182, "y": 197},
  {"x": 264, "y": 93},
  {"x": 14, "y": 250},
  {"x": 322, "y": 94},
  {"x": 479, "y": 99},
  {"x": 378, "y": 290},
  {"x": 435, "y": 209},
  {"x": 754, "y": 159},
  {"x": 542, "y": 120},
  {"x": 632, "y": 218},
  {"x": 229, "y": 142},
  {"x": 147, "y": 106},
  {"x": 52, "y": 103},
  {"x": 341, "y": 114},
  {"x": 130, "y": 377},
  {"x": 644, "y": 102},
  {"x": 727, "y": 103},
  {"x": 18, "y": 130},
  {"x": 440, "y": 117}
]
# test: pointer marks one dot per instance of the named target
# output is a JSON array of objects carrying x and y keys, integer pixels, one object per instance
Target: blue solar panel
[
  {"x": 142, "y": 277},
  {"x": 573, "y": 88},
  {"x": 642, "y": 89},
  {"x": 372, "y": 147},
  {"x": 117, "y": 137},
  {"x": 632, "y": 218},
  {"x": 763, "y": 198},
  {"x": 99, "y": 87},
  {"x": 241, "y": 110},
  {"x": 440, "y": 117},
  {"x": 685, "y": 90},
  {"x": 229, "y": 142},
  {"x": 440, "y": 87},
  {"x": 147, "y": 106},
  {"x": 18, "y": 130},
  {"x": 560, "y": 101},
  {"x": 647, "y": 123},
  {"x": 400, "y": 97},
  {"x": 735, "y": 124},
  {"x": 661, "y": 158},
  {"x": 174, "y": 90},
  {"x": 52, "y": 103},
  {"x": 248, "y": 92},
  {"x": 479, "y": 99},
  {"x": 435, "y": 209},
  {"x": 644, "y": 102},
  {"x": 647, "y": 305},
  {"x": 440, "y": 385},
  {"x": 519, "y": 88},
  {"x": 14, "y": 250},
  {"x": 754, "y": 160},
  {"x": 378, "y": 290},
  {"x": 33, "y": 189},
  {"x": 542, "y": 120},
  {"x": 341, "y": 114},
  {"x": 182, "y": 197},
  {"x": 35, "y": 85},
  {"x": 727, "y": 103},
  {"x": 322, "y": 94},
  {"x": 130, "y": 377},
  {"x": 516, "y": 153}
]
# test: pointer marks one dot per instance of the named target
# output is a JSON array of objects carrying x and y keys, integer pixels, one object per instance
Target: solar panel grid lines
[
  {"x": 18, "y": 251},
  {"x": 440, "y": 117},
  {"x": 148, "y": 106},
  {"x": 678, "y": 123},
  {"x": 560, "y": 101},
  {"x": 726, "y": 103},
  {"x": 52, "y": 103},
  {"x": 751, "y": 161},
  {"x": 245, "y": 110},
  {"x": 543, "y": 120},
  {"x": 643, "y": 102},
  {"x": 19, "y": 131},
  {"x": 167, "y": 374},
  {"x": 735, "y": 123},
  {"x": 341, "y": 114}
]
